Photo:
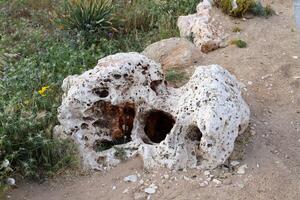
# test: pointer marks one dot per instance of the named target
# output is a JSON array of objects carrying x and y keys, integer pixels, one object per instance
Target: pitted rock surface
[{"x": 124, "y": 107}]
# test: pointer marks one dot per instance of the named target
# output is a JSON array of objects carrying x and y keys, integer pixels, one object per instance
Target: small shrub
[
  {"x": 239, "y": 43},
  {"x": 89, "y": 17},
  {"x": 244, "y": 6},
  {"x": 269, "y": 10},
  {"x": 236, "y": 29}
]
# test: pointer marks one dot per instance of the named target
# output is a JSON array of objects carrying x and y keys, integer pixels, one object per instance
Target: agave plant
[{"x": 92, "y": 16}]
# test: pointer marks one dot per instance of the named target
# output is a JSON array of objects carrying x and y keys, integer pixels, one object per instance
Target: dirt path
[{"x": 271, "y": 72}]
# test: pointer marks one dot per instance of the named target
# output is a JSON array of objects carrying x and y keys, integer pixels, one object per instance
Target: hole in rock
[
  {"x": 101, "y": 92},
  {"x": 154, "y": 85},
  {"x": 194, "y": 134},
  {"x": 118, "y": 119},
  {"x": 158, "y": 124},
  {"x": 102, "y": 145}
]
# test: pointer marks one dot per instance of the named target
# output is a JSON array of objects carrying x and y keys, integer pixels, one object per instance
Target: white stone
[
  {"x": 114, "y": 187},
  {"x": 130, "y": 178},
  {"x": 242, "y": 169},
  {"x": 207, "y": 173},
  {"x": 10, "y": 181},
  {"x": 125, "y": 191},
  {"x": 217, "y": 181},
  {"x": 204, "y": 116},
  {"x": 150, "y": 190},
  {"x": 166, "y": 176},
  {"x": 204, "y": 184},
  {"x": 234, "y": 163},
  {"x": 201, "y": 28},
  {"x": 5, "y": 163}
]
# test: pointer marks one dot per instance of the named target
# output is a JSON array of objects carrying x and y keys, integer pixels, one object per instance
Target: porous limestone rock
[
  {"x": 124, "y": 107},
  {"x": 201, "y": 28},
  {"x": 173, "y": 53}
]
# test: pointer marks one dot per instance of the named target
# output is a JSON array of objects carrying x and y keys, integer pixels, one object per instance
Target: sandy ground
[{"x": 271, "y": 72}]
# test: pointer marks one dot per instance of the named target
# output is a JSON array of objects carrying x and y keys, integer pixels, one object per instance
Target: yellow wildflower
[{"x": 43, "y": 90}]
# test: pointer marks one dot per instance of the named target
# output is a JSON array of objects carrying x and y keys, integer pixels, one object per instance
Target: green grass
[
  {"x": 42, "y": 53},
  {"x": 175, "y": 76}
]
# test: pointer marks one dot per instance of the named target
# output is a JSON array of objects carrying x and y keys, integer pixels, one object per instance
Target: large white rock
[
  {"x": 124, "y": 107},
  {"x": 201, "y": 28}
]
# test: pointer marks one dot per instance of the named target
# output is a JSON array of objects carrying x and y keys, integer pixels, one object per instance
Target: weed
[
  {"x": 236, "y": 29},
  {"x": 120, "y": 153},
  {"x": 239, "y": 43}
]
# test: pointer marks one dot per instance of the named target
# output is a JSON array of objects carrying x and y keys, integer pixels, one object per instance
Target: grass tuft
[{"x": 239, "y": 43}]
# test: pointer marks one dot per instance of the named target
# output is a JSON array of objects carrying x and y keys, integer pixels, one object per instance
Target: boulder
[
  {"x": 124, "y": 107},
  {"x": 201, "y": 28},
  {"x": 173, "y": 53}
]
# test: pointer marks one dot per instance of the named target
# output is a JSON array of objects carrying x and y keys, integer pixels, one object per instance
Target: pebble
[
  {"x": 114, "y": 187},
  {"x": 203, "y": 184},
  {"x": 130, "y": 178},
  {"x": 207, "y": 173},
  {"x": 234, "y": 163},
  {"x": 295, "y": 57},
  {"x": 242, "y": 169},
  {"x": 125, "y": 191},
  {"x": 151, "y": 189},
  {"x": 217, "y": 181},
  {"x": 166, "y": 176},
  {"x": 10, "y": 181}
]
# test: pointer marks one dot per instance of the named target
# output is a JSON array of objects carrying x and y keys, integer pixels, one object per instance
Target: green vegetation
[
  {"x": 175, "y": 76},
  {"x": 41, "y": 43},
  {"x": 236, "y": 29},
  {"x": 244, "y": 6},
  {"x": 120, "y": 153},
  {"x": 239, "y": 43}
]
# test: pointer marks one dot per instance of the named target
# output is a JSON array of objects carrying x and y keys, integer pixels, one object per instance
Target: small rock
[
  {"x": 234, "y": 163},
  {"x": 242, "y": 169},
  {"x": 295, "y": 57},
  {"x": 125, "y": 191},
  {"x": 166, "y": 176},
  {"x": 203, "y": 184},
  {"x": 130, "y": 178},
  {"x": 207, "y": 173},
  {"x": 114, "y": 187},
  {"x": 217, "y": 181},
  {"x": 10, "y": 181},
  {"x": 150, "y": 190}
]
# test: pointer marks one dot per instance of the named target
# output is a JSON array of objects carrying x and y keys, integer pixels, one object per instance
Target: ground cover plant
[{"x": 41, "y": 43}]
